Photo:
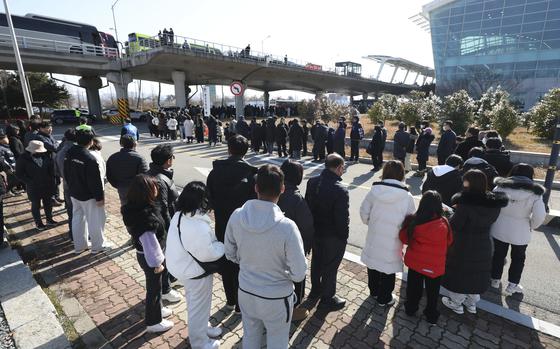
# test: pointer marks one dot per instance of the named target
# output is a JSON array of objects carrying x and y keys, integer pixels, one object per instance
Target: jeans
[
  {"x": 415, "y": 289},
  {"x": 182, "y": 132},
  {"x": 381, "y": 285},
  {"x": 325, "y": 260},
  {"x": 153, "y": 291},
  {"x": 354, "y": 149},
  {"x": 517, "y": 261},
  {"x": 88, "y": 220},
  {"x": 198, "y": 294},
  {"x": 36, "y": 208}
]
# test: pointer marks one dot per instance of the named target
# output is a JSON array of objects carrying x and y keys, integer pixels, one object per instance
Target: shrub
[
  {"x": 459, "y": 108},
  {"x": 543, "y": 115},
  {"x": 504, "y": 118}
]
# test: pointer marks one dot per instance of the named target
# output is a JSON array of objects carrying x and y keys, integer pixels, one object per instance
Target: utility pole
[
  {"x": 552, "y": 163},
  {"x": 21, "y": 72},
  {"x": 114, "y": 21}
]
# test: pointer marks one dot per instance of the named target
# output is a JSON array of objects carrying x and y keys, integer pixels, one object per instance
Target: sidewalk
[{"x": 102, "y": 295}]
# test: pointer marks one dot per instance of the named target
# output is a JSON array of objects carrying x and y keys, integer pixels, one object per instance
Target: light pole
[
  {"x": 262, "y": 43},
  {"x": 21, "y": 72},
  {"x": 114, "y": 21}
]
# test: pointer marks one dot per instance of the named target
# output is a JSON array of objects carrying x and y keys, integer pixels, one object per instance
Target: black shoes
[
  {"x": 334, "y": 303},
  {"x": 51, "y": 223}
]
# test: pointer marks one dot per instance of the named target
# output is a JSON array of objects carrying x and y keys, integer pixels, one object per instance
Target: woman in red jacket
[{"x": 427, "y": 234}]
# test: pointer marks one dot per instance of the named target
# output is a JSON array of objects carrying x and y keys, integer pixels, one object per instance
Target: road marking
[
  {"x": 498, "y": 310},
  {"x": 203, "y": 170}
]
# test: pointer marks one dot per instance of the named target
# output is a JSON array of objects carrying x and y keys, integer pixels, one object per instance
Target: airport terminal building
[{"x": 482, "y": 43}]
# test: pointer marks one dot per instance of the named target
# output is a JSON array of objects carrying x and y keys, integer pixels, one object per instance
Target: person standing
[
  {"x": 230, "y": 184},
  {"x": 181, "y": 125},
  {"x": 446, "y": 179},
  {"x": 162, "y": 126},
  {"x": 191, "y": 241},
  {"x": 31, "y": 133},
  {"x": 269, "y": 250},
  {"x": 447, "y": 142},
  {"x": 35, "y": 168},
  {"x": 296, "y": 136},
  {"x": 68, "y": 142},
  {"x": 9, "y": 161},
  {"x": 270, "y": 135},
  {"x": 189, "y": 128},
  {"x": 129, "y": 129},
  {"x": 476, "y": 162},
  {"x": 401, "y": 140},
  {"x": 146, "y": 227},
  {"x": 319, "y": 141},
  {"x": 160, "y": 168},
  {"x": 172, "y": 127},
  {"x": 410, "y": 149},
  {"x": 294, "y": 206},
  {"x": 83, "y": 126},
  {"x": 469, "y": 258},
  {"x": 497, "y": 157},
  {"x": 524, "y": 213},
  {"x": 428, "y": 235},
  {"x": 81, "y": 171},
  {"x": 212, "y": 131},
  {"x": 356, "y": 135},
  {"x": 281, "y": 137},
  {"x": 375, "y": 148},
  {"x": 383, "y": 210},
  {"x": 255, "y": 136},
  {"x": 423, "y": 144},
  {"x": 471, "y": 141},
  {"x": 340, "y": 139},
  {"x": 328, "y": 200},
  {"x": 3, "y": 191},
  {"x": 16, "y": 146},
  {"x": 124, "y": 165},
  {"x": 305, "y": 136},
  {"x": 199, "y": 130}
]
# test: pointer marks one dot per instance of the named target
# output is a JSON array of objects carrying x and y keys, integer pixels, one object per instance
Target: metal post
[
  {"x": 21, "y": 72},
  {"x": 552, "y": 163},
  {"x": 114, "y": 21}
]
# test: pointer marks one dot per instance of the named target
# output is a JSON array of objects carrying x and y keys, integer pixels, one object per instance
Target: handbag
[
  {"x": 208, "y": 267},
  {"x": 369, "y": 149}
]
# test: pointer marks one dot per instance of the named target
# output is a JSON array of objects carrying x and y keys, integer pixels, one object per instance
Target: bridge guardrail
[{"x": 59, "y": 46}]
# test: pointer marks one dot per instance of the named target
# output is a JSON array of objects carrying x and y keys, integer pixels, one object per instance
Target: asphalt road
[{"x": 541, "y": 277}]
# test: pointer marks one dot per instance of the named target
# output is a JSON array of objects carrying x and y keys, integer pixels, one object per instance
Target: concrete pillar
[
  {"x": 380, "y": 69},
  {"x": 406, "y": 76},
  {"x": 416, "y": 78},
  {"x": 394, "y": 74},
  {"x": 424, "y": 80},
  {"x": 178, "y": 78},
  {"x": 266, "y": 98},
  {"x": 92, "y": 84},
  {"x": 120, "y": 81}
]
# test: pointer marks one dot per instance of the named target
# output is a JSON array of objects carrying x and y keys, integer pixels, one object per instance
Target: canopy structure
[{"x": 401, "y": 63}]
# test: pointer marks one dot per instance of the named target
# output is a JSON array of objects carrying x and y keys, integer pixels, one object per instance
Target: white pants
[
  {"x": 88, "y": 220},
  {"x": 198, "y": 294},
  {"x": 407, "y": 165},
  {"x": 258, "y": 314},
  {"x": 469, "y": 300}
]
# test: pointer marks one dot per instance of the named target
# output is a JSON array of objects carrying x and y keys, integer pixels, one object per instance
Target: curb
[{"x": 29, "y": 312}]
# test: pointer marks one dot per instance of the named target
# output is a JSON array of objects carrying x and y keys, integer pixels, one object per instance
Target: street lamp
[
  {"x": 262, "y": 43},
  {"x": 114, "y": 21}
]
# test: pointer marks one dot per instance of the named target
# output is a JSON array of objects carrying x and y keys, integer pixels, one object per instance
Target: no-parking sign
[{"x": 236, "y": 88}]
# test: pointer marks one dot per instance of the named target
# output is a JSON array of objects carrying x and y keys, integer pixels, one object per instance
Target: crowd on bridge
[{"x": 475, "y": 206}]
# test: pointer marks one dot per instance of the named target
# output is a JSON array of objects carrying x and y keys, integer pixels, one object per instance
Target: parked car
[
  {"x": 134, "y": 114},
  {"x": 62, "y": 116}
]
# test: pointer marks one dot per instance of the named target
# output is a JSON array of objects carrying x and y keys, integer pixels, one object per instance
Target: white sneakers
[
  {"x": 388, "y": 304},
  {"x": 513, "y": 288},
  {"x": 172, "y": 296},
  {"x": 213, "y": 332},
  {"x": 457, "y": 309},
  {"x": 495, "y": 283},
  {"x": 166, "y": 312},
  {"x": 106, "y": 248},
  {"x": 213, "y": 344},
  {"x": 164, "y": 325},
  {"x": 85, "y": 249}
]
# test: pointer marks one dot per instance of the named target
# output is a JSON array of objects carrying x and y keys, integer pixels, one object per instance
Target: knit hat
[
  {"x": 35, "y": 147},
  {"x": 428, "y": 130}
]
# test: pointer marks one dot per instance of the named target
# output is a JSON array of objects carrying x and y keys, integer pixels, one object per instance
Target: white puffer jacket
[
  {"x": 189, "y": 126},
  {"x": 384, "y": 210},
  {"x": 525, "y": 210},
  {"x": 198, "y": 238}
]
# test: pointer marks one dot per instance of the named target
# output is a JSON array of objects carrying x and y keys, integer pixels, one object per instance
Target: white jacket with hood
[
  {"x": 525, "y": 210},
  {"x": 384, "y": 210},
  {"x": 198, "y": 238},
  {"x": 268, "y": 248}
]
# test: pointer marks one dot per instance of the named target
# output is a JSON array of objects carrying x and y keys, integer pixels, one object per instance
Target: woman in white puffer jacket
[
  {"x": 525, "y": 211},
  {"x": 384, "y": 210},
  {"x": 191, "y": 235}
]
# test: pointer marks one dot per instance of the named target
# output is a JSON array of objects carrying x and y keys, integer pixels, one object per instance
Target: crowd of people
[{"x": 474, "y": 208}]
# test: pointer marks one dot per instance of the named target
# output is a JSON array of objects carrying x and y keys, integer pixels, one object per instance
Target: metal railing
[{"x": 59, "y": 46}]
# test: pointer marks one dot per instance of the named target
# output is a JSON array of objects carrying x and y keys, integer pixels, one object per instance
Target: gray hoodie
[{"x": 268, "y": 248}]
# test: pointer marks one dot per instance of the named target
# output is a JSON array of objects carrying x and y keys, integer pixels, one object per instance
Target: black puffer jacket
[
  {"x": 481, "y": 165},
  {"x": 465, "y": 147},
  {"x": 446, "y": 184},
  {"x": 231, "y": 183},
  {"x": 140, "y": 219},
  {"x": 469, "y": 258},
  {"x": 123, "y": 166},
  {"x": 168, "y": 192},
  {"x": 281, "y": 134},
  {"x": 328, "y": 200},
  {"x": 295, "y": 207},
  {"x": 39, "y": 180},
  {"x": 500, "y": 160},
  {"x": 296, "y": 135}
]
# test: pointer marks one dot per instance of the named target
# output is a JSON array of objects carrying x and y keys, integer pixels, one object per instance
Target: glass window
[
  {"x": 512, "y": 20},
  {"x": 493, "y": 4},
  {"x": 533, "y": 27},
  {"x": 534, "y": 17},
  {"x": 472, "y": 17},
  {"x": 514, "y": 10},
  {"x": 474, "y": 6},
  {"x": 550, "y": 25},
  {"x": 472, "y": 27},
  {"x": 491, "y": 24},
  {"x": 456, "y": 20},
  {"x": 551, "y": 35},
  {"x": 553, "y": 14},
  {"x": 509, "y": 3},
  {"x": 554, "y": 5},
  {"x": 551, "y": 44},
  {"x": 455, "y": 28},
  {"x": 455, "y": 11},
  {"x": 525, "y": 65},
  {"x": 512, "y": 29},
  {"x": 537, "y": 7}
]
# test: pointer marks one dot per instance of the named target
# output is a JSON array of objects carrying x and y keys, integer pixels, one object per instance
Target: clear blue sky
[{"x": 316, "y": 31}]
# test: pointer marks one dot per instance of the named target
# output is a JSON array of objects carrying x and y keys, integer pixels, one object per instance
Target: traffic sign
[{"x": 236, "y": 88}]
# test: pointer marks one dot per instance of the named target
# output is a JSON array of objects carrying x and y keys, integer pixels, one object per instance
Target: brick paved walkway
[{"x": 110, "y": 289}]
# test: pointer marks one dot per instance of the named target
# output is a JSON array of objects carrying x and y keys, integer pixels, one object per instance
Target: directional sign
[{"x": 236, "y": 88}]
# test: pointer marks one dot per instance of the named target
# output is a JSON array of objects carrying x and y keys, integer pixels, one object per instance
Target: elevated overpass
[{"x": 183, "y": 65}]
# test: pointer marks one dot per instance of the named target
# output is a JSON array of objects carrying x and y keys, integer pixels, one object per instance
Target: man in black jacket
[
  {"x": 319, "y": 141},
  {"x": 160, "y": 167},
  {"x": 401, "y": 140},
  {"x": 329, "y": 203},
  {"x": 124, "y": 165},
  {"x": 296, "y": 136},
  {"x": 305, "y": 136},
  {"x": 476, "y": 162},
  {"x": 230, "y": 184},
  {"x": 497, "y": 157},
  {"x": 270, "y": 132},
  {"x": 446, "y": 179},
  {"x": 281, "y": 135},
  {"x": 44, "y": 134},
  {"x": 82, "y": 175},
  {"x": 356, "y": 135},
  {"x": 447, "y": 142},
  {"x": 471, "y": 141}
]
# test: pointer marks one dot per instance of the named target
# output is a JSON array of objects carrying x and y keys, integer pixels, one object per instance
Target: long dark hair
[
  {"x": 430, "y": 208},
  {"x": 194, "y": 198},
  {"x": 478, "y": 184},
  {"x": 142, "y": 191}
]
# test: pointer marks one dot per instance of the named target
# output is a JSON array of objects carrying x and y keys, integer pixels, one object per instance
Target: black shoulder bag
[{"x": 209, "y": 267}]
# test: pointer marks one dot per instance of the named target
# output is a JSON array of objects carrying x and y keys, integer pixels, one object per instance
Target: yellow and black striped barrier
[{"x": 122, "y": 104}]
